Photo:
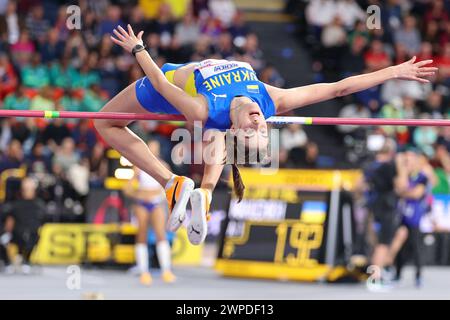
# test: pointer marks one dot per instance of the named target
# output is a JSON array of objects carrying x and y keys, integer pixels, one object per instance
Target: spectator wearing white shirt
[
  {"x": 292, "y": 137},
  {"x": 224, "y": 10},
  {"x": 320, "y": 13},
  {"x": 349, "y": 12},
  {"x": 408, "y": 35}
]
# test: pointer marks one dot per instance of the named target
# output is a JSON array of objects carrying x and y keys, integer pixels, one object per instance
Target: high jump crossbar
[{"x": 274, "y": 119}]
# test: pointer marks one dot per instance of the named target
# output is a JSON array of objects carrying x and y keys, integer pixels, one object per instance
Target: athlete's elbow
[{"x": 339, "y": 90}]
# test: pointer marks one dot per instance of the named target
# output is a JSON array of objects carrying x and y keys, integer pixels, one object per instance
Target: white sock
[
  {"x": 169, "y": 183},
  {"x": 164, "y": 255},
  {"x": 141, "y": 252}
]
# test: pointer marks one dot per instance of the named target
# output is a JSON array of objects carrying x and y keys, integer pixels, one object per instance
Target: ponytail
[{"x": 238, "y": 184}]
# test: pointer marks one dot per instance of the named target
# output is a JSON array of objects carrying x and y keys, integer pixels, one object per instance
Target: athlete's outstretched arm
[
  {"x": 289, "y": 99},
  {"x": 190, "y": 107}
]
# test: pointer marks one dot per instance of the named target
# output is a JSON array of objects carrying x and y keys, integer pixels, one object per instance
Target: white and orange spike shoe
[
  {"x": 200, "y": 204},
  {"x": 178, "y": 190}
]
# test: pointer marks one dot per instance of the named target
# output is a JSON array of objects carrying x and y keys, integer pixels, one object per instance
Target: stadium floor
[{"x": 204, "y": 283}]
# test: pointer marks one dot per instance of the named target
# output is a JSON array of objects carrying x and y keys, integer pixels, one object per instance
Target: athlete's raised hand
[
  {"x": 127, "y": 40},
  {"x": 416, "y": 71}
]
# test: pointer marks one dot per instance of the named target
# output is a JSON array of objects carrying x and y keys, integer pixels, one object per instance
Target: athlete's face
[
  {"x": 249, "y": 116},
  {"x": 250, "y": 128}
]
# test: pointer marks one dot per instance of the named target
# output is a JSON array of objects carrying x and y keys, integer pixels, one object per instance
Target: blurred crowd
[
  {"x": 47, "y": 65},
  {"x": 344, "y": 40}
]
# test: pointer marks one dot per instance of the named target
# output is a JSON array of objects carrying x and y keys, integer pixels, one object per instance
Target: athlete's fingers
[
  {"x": 139, "y": 36},
  {"x": 423, "y": 63},
  {"x": 432, "y": 69},
  {"x": 413, "y": 59},
  {"x": 130, "y": 30},
  {"x": 420, "y": 80},
  {"x": 426, "y": 74},
  {"x": 124, "y": 33},
  {"x": 120, "y": 43},
  {"x": 119, "y": 35}
]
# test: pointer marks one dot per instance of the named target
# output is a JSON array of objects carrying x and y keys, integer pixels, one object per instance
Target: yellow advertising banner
[
  {"x": 297, "y": 178},
  {"x": 77, "y": 243}
]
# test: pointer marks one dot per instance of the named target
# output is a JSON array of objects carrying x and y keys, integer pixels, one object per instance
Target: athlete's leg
[
  {"x": 118, "y": 136},
  {"x": 200, "y": 202},
  {"x": 141, "y": 247},
  {"x": 163, "y": 251}
]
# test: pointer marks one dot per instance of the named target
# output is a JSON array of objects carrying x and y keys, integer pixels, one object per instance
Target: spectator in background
[
  {"x": 412, "y": 188},
  {"x": 86, "y": 77},
  {"x": 225, "y": 46},
  {"x": 334, "y": 34},
  {"x": 17, "y": 100},
  {"x": 66, "y": 156},
  {"x": 13, "y": 157},
  {"x": 352, "y": 61},
  {"x": 94, "y": 99},
  {"x": 111, "y": 21},
  {"x": 11, "y": 21},
  {"x": 382, "y": 202},
  {"x": 84, "y": 136},
  {"x": 353, "y": 110},
  {"x": 8, "y": 77},
  {"x": 223, "y": 10},
  {"x": 98, "y": 164},
  {"x": 22, "y": 50},
  {"x": 75, "y": 49},
  {"x": 44, "y": 100},
  {"x": 253, "y": 53},
  {"x": 443, "y": 63},
  {"x": 408, "y": 36},
  {"x": 376, "y": 57},
  {"x": 70, "y": 101},
  {"x": 37, "y": 24},
  {"x": 55, "y": 132},
  {"x": 239, "y": 29},
  {"x": 293, "y": 136},
  {"x": 425, "y": 138},
  {"x": 320, "y": 13},
  {"x": 349, "y": 12},
  {"x": 35, "y": 75},
  {"x": 271, "y": 76},
  {"x": 434, "y": 105},
  {"x": 62, "y": 74},
  {"x": 52, "y": 47},
  {"x": 187, "y": 31},
  {"x": 38, "y": 161},
  {"x": 164, "y": 25},
  {"x": 23, "y": 220},
  {"x": 426, "y": 51}
]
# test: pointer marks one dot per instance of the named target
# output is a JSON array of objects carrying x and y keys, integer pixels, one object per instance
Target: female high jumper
[{"x": 221, "y": 95}]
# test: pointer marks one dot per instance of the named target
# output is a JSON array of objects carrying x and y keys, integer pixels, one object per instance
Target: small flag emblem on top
[{"x": 253, "y": 88}]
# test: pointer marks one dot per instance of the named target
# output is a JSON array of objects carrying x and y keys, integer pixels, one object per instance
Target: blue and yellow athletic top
[{"x": 219, "y": 81}]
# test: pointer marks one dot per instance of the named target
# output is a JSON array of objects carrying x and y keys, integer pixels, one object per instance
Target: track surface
[{"x": 204, "y": 283}]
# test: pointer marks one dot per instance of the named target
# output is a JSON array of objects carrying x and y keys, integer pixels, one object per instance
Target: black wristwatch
[{"x": 137, "y": 48}]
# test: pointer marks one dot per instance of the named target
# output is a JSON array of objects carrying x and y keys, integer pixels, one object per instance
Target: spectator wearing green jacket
[
  {"x": 35, "y": 74},
  {"x": 17, "y": 100},
  {"x": 62, "y": 74}
]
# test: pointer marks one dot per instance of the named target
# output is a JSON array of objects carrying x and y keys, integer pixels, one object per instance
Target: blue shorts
[
  {"x": 150, "y": 99},
  {"x": 149, "y": 206}
]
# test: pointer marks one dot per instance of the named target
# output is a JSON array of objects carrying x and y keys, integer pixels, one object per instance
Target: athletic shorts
[
  {"x": 386, "y": 226},
  {"x": 150, "y": 99},
  {"x": 149, "y": 206}
]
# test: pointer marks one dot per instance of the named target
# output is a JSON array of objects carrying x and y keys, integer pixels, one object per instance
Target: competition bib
[{"x": 211, "y": 67}]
